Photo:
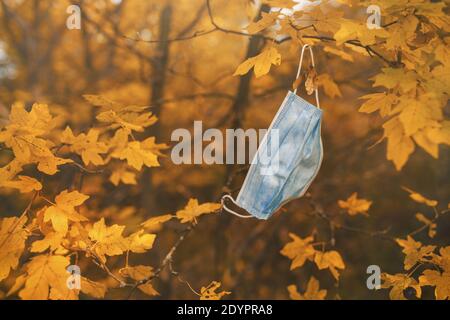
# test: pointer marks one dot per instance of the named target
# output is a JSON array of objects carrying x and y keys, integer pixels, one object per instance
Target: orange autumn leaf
[
  {"x": 63, "y": 210},
  {"x": 331, "y": 260},
  {"x": 355, "y": 206},
  {"x": 398, "y": 283},
  {"x": 299, "y": 250},
  {"x": 417, "y": 197},
  {"x": 108, "y": 241},
  {"x": 46, "y": 276},
  {"x": 210, "y": 292},
  {"x": 313, "y": 291},
  {"x": 156, "y": 221},
  {"x": 12, "y": 243},
  {"x": 261, "y": 63},
  {"x": 193, "y": 210}
]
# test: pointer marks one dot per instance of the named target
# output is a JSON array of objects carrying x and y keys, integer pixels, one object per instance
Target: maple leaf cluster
[
  {"x": 415, "y": 82},
  {"x": 53, "y": 231},
  {"x": 427, "y": 262}
]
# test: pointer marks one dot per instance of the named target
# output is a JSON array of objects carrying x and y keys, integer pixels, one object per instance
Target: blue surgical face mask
[{"x": 287, "y": 161}]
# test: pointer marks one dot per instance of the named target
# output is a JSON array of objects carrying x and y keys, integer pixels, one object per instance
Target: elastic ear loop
[
  {"x": 300, "y": 70},
  {"x": 231, "y": 211}
]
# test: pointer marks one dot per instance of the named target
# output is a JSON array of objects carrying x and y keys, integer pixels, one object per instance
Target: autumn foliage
[{"x": 86, "y": 177}]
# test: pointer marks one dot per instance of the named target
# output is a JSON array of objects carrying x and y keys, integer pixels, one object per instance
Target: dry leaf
[
  {"x": 312, "y": 292},
  {"x": 209, "y": 292},
  {"x": 355, "y": 206}
]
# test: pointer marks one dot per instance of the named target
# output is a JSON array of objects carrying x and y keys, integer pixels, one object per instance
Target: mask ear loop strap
[
  {"x": 232, "y": 211},
  {"x": 299, "y": 71}
]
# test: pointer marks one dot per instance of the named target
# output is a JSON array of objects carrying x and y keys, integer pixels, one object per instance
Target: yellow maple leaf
[
  {"x": 414, "y": 251},
  {"x": 393, "y": 77},
  {"x": 64, "y": 210},
  {"x": 38, "y": 119},
  {"x": 355, "y": 206},
  {"x": 45, "y": 273},
  {"x": 415, "y": 116},
  {"x": 24, "y": 184},
  {"x": 49, "y": 164},
  {"x": 323, "y": 20},
  {"x": 137, "y": 273},
  {"x": 140, "y": 242},
  {"x": 140, "y": 273},
  {"x": 340, "y": 53},
  {"x": 287, "y": 28},
  {"x": 267, "y": 20},
  {"x": 129, "y": 117},
  {"x": 431, "y": 225},
  {"x": 115, "y": 120},
  {"x": 62, "y": 293},
  {"x": 312, "y": 292},
  {"x": 398, "y": 283},
  {"x": 420, "y": 198},
  {"x": 299, "y": 250},
  {"x": 442, "y": 52},
  {"x": 261, "y": 63},
  {"x": 359, "y": 50},
  {"x": 137, "y": 156},
  {"x": 148, "y": 289},
  {"x": 381, "y": 102},
  {"x": 424, "y": 138},
  {"x": 24, "y": 135},
  {"x": 440, "y": 134},
  {"x": 155, "y": 222},
  {"x": 79, "y": 237},
  {"x": 106, "y": 104},
  {"x": 122, "y": 174},
  {"x": 399, "y": 145},
  {"x": 51, "y": 240},
  {"x": 441, "y": 282},
  {"x": 108, "y": 241},
  {"x": 9, "y": 171},
  {"x": 86, "y": 145},
  {"x": 156, "y": 148},
  {"x": 209, "y": 292},
  {"x": 92, "y": 288},
  {"x": 401, "y": 33},
  {"x": 102, "y": 102},
  {"x": 193, "y": 210},
  {"x": 331, "y": 260},
  {"x": 351, "y": 30},
  {"x": 24, "y": 128},
  {"x": 12, "y": 243},
  {"x": 443, "y": 260}
]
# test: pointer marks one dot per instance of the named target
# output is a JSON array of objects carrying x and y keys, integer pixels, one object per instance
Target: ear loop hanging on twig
[
  {"x": 224, "y": 206},
  {"x": 232, "y": 211},
  {"x": 299, "y": 71}
]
